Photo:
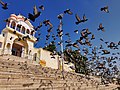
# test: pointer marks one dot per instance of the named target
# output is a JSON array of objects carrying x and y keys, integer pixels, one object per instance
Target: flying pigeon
[
  {"x": 76, "y": 31},
  {"x": 42, "y": 7},
  {"x": 93, "y": 37},
  {"x": 35, "y": 14},
  {"x": 84, "y": 18},
  {"x": 68, "y": 12},
  {"x": 60, "y": 16},
  {"x": 4, "y": 5},
  {"x": 78, "y": 19},
  {"x": 101, "y": 27},
  {"x": 105, "y": 9},
  {"x": 47, "y": 22},
  {"x": 106, "y": 52}
]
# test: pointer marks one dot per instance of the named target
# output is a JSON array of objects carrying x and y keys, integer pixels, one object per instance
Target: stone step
[
  {"x": 45, "y": 80},
  {"x": 30, "y": 88},
  {"x": 33, "y": 87},
  {"x": 15, "y": 70},
  {"x": 6, "y": 75},
  {"x": 15, "y": 75},
  {"x": 11, "y": 57},
  {"x": 18, "y": 70}
]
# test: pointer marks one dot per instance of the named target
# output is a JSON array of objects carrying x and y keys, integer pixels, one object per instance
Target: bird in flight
[
  {"x": 101, "y": 27},
  {"x": 4, "y": 5},
  {"x": 93, "y": 37},
  {"x": 47, "y": 22},
  {"x": 42, "y": 7},
  {"x": 106, "y": 52},
  {"x": 35, "y": 14},
  {"x": 68, "y": 12},
  {"x": 84, "y": 18},
  {"x": 79, "y": 20},
  {"x": 76, "y": 31},
  {"x": 105, "y": 9},
  {"x": 38, "y": 27}
]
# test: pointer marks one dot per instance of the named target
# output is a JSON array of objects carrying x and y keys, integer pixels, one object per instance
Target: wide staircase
[{"x": 22, "y": 74}]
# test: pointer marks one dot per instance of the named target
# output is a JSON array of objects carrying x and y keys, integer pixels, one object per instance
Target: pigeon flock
[{"x": 102, "y": 59}]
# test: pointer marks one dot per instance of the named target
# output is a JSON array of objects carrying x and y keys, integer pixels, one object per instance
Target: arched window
[
  {"x": 23, "y": 30},
  {"x": 18, "y": 27},
  {"x": 0, "y": 44},
  {"x": 35, "y": 56},
  {"x": 8, "y": 45},
  {"x": 13, "y": 25},
  {"x": 8, "y": 23},
  {"x": 32, "y": 32},
  {"x": 27, "y": 31},
  {"x": 30, "y": 52}
]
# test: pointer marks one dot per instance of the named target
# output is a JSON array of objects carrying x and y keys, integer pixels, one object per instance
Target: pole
[
  {"x": 60, "y": 16},
  {"x": 61, "y": 47}
]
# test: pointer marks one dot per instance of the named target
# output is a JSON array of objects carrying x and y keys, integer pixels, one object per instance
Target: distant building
[{"x": 17, "y": 38}]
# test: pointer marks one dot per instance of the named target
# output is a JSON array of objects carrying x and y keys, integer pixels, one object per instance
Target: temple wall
[
  {"x": 50, "y": 62},
  {"x": 1, "y": 43}
]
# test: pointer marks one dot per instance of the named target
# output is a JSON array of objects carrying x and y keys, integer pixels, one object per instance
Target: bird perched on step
[
  {"x": 68, "y": 11},
  {"x": 4, "y": 5},
  {"x": 105, "y": 9},
  {"x": 35, "y": 14},
  {"x": 101, "y": 27}
]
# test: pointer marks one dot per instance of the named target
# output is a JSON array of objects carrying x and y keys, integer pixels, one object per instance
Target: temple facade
[{"x": 18, "y": 39}]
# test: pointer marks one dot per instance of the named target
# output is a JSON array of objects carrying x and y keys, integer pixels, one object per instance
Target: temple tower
[{"x": 17, "y": 37}]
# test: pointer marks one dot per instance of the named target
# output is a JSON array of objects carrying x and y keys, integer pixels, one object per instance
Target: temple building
[{"x": 18, "y": 38}]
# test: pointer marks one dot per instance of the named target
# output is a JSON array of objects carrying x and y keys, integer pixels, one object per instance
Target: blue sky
[
  {"x": 54, "y": 7},
  {"x": 91, "y": 8}
]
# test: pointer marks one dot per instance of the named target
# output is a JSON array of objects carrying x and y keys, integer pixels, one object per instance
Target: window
[
  {"x": 23, "y": 30},
  {"x": 30, "y": 52},
  {"x": 13, "y": 25},
  {"x": 32, "y": 32},
  {"x": 8, "y": 23},
  {"x": 27, "y": 31},
  {"x": 0, "y": 44},
  {"x": 18, "y": 27},
  {"x": 35, "y": 56}
]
